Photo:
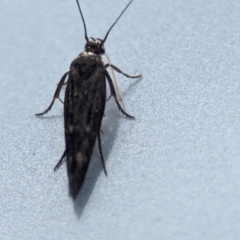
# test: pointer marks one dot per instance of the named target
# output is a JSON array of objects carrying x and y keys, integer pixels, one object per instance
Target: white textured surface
[{"x": 174, "y": 172}]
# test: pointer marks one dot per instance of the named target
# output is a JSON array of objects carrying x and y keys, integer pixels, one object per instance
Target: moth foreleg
[
  {"x": 113, "y": 93},
  {"x": 117, "y": 89},
  {"x": 119, "y": 71},
  {"x": 56, "y": 94}
]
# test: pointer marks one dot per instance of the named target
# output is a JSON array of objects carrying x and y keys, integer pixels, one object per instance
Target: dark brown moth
[{"x": 84, "y": 104}]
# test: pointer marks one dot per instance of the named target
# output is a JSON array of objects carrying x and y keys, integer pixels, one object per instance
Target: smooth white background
[{"x": 174, "y": 171}]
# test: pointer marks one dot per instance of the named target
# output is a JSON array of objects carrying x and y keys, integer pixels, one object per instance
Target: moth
[{"x": 84, "y": 104}]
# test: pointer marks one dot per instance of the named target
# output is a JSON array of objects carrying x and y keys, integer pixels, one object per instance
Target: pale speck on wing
[
  {"x": 71, "y": 129},
  {"x": 80, "y": 159}
]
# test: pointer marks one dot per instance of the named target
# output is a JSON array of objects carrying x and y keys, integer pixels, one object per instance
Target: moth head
[{"x": 95, "y": 46}]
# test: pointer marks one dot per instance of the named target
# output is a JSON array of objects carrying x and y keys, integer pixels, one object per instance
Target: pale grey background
[{"x": 174, "y": 171}]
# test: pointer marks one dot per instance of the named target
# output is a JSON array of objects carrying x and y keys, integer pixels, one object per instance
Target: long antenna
[
  {"x": 114, "y": 24},
  {"x": 85, "y": 29}
]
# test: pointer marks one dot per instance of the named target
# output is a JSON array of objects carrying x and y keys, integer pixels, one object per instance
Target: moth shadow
[
  {"x": 132, "y": 87},
  {"x": 51, "y": 117},
  {"x": 109, "y": 129}
]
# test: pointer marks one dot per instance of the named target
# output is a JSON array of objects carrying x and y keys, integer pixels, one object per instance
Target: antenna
[
  {"x": 85, "y": 29},
  {"x": 114, "y": 23}
]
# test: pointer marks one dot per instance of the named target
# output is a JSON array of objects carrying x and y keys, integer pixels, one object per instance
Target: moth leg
[
  {"x": 63, "y": 84},
  {"x": 100, "y": 150},
  {"x": 113, "y": 93},
  {"x": 109, "y": 98},
  {"x": 60, "y": 162},
  {"x": 56, "y": 94},
  {"x": 119, "y": 71},
  {"x": 117, "y": 89}
]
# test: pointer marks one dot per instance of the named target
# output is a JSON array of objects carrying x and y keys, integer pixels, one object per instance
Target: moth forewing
[{"x": 84, "y": 105}]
